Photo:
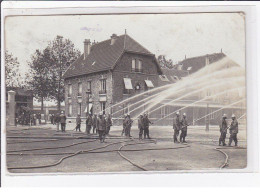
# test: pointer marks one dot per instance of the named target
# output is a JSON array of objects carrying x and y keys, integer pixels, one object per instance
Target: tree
[
  {"x": 63, "y": 53},
  {"x": 164, "y": 63},
  {"x": 13, "y": 77},
  {"x": 41, "y": 79}
]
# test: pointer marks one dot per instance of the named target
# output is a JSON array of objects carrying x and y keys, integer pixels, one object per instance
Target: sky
[{"x": 173, "y": 35}]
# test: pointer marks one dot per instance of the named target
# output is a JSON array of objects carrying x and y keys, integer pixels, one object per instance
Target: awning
[
  {"x": 189, "y": 68},
  {"x": 88, "y": 109},
  {"x": 149, "y": 83},
  {"x": 164, "y": 78},
  {"x": 128, "y": 84}
]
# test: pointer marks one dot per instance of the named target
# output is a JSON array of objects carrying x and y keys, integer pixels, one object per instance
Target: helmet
[
  {"x": 177, "y": 113},
  {"x": 224, "y": 116},
  {"x": 100, "y": 114},
  {"x": 233, "y": 115},
  {"x": 62, "y": 112},
  {"x": 184, "y": 114}
]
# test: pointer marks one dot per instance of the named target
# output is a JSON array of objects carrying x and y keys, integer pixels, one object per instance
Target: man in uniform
[
  {"x": 223, "y": 130},
  {"x": 146, "y": 123},
  {"x": 233, "y": 130},
  {"x": 63, "y": 121},
  {"x": 124, "y": 125},
  {"x": 101, "y": 127},
  {"x": 78, "y": 123},
  {"x": 141, "y": 126},
  {"x": 176, "y": 127},
  {"x": 108, "y": 123},
  {"x": 94, "y": 123},
  {"x": 88, "y": 123},
  {"x": 184, "y": 128},
  {"x": 128, "y": 125}
]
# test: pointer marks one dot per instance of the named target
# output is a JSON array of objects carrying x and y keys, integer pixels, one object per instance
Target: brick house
[{"x": 107, "y": 73}]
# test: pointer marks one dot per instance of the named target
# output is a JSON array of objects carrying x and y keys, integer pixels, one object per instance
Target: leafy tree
[
  {"x": 164, "y": 63},
  {"x": 41, "y": 80},
  {"x": 12, "y": 71},
  {"x": 63, "y": 53}
]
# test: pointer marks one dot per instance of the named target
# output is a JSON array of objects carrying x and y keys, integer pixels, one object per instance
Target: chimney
[
  {"x": 113, "y": 38},
  {"x": 86, "y": 48},
  {"x": 185, "y": 56},
  {"x": 221, "y": 50}
]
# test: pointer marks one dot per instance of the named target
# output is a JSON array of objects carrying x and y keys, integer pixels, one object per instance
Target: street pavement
[{"x": 42, "y": 145}]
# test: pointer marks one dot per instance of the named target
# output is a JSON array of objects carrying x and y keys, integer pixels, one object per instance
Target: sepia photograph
[{"x": 125, "y": 93}]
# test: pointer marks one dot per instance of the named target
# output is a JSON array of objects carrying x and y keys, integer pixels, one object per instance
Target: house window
[
  {"x": 103, "y": 107},
  {"x": 89, "y": 86},
  {"x": 137, "y": 65},
  {"x": 133, "y": 64},
  {"x": 79, "y": 89},
  {"x": 164, "y": 111},
  {"x": 79, "y": 109},
  {"x": 70, "y": 110},
  {"x": 212, "y": 115},
  {"x": 140, "y": 66},
  {"x": 103, "y": 86},
  {"x": 70, "y": 90}
]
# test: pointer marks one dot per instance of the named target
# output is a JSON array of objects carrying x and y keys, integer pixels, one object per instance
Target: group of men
[
  {"x": 127, "y": 124},
  {"x": 233, "y": 130},
  {"x": 103, "y": 123},
  {"x": 100, "y": 125},
  {"x": 143, "y": 125},
  {"x": 180, "y": 124}
]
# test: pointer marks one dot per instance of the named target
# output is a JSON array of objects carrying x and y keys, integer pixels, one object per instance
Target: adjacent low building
[{"x": 17, "y": 99}]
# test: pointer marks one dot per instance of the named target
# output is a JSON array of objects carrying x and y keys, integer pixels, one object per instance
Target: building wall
[{"x": 94, "y": 96}]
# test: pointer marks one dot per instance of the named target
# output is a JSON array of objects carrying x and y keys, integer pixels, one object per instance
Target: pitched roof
[
  {"x": 172, "y": 75},
  {"x": 103, "y": 56},
  {"x": 199, "y": 62}
]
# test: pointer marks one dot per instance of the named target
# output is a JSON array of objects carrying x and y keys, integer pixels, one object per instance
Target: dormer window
[{"x": 137, "y": 65}]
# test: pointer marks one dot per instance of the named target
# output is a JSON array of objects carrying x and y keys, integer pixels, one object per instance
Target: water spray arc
[
  {"x": 197, "y": 102},
  {"x": 191, "y": 93}
]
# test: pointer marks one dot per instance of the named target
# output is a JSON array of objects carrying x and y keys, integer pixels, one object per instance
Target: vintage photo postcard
[{"x": 125, "y": 93}]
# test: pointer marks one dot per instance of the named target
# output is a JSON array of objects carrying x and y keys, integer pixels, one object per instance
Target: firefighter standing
[
  {"x": 128, "y": 125},
  {"x": 146, "y": 123},
  {"x": 176, "y": 127},
  {"x": 63, "y": 121},
  {"x": 94, "y": 123},
  {"x": 141, "y": 126},
  {"x": 184, "y": 128},
  {"x": 108, "y": 124},
  {"x": 233, "y": 130},
  {"x": 101, "y": 127},
  {"x": 78, "y": 123},
  {"x": 88, "y": 123},
  {"x": 124, "y": 125},
  {"x": 223, "y": 130}
]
